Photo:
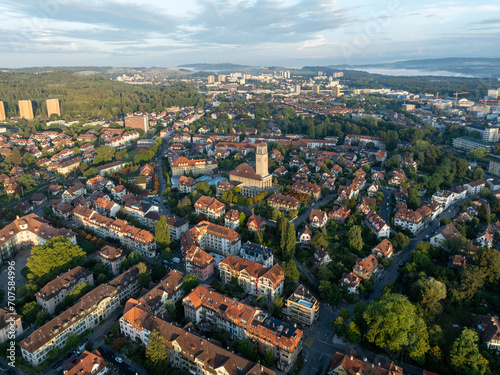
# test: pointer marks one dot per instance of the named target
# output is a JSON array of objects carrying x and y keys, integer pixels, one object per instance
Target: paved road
[{"x": 305, "y": 214}]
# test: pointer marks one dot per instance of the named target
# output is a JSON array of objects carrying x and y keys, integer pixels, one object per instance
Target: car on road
[
  {"x": 427, "y": 226},
  {"x": 57, "y": 364},
  {"x": 176, "y": 260},
  {"x": 427, "y": 236},
  {"x": 119, "y": 359}
]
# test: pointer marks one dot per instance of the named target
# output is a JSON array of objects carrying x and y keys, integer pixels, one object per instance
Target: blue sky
[{"x": 291, "y": 33}]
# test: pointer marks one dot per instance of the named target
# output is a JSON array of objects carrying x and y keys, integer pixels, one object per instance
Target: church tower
[{"x": 261, "y": 161}]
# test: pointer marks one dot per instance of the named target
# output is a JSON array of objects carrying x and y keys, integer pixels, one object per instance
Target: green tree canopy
[
  {"x": 156, "y": 352},
  {"x": 355, "y": 238},
  {"x": 291, "y": 271},
  {"x": 190, "y": 282},
  {"x": 56, "y": 254},
  {"x": 465, "y": 357},
  {"x": 394, "y": 324}
]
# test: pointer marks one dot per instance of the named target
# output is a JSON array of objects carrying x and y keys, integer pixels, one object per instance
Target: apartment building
[
  {"x": 53, "y": 107},
  {"x": 210, "y": 207},
  {"x": 7, "y": 328},
  {"x": 212, "y": 237},
  {"x": 254, "y": 278},
  {"x": 409, "y": 219},
  {"x": 318, "y": 218},
  {"x": 302, "y": 307},
  {"x": 351, "y": 363},
  {"x": 137, "y": 122},
  {"x": 85, "y": 314},
  {"x": 186, "y": 184},
  {"x": 199, "y": 262},
  {"x": 54, "y": 292},
  {"x": 283, "y": 202},
  {"x": 26, "y": 109},
  {"x": 88, "y": 363},
  {"x": 374, "y": 221},
  {"x": 366, "y": 267},
  {"x": 257, "y": 253},
  {"x": 383, "y": 249},
  {"x": 73, "y": 192},
  {"x": 111, "y": 257},
  {"x": 169, "y": 289},
  {"x": 469, "y": 144},
  {"x": 133, "y": 238},
  {"x": 307, "y": 188},
  {"x": 139, "y": 210},
  {"x": 185, "y": 349},
  {"x": 106, "y": 207},
  {"x": 177, "y": 225},
  {"x": 494, "y": 166},
  {"x": 207, "y": 309},
  {"x": 232, "y": 219},
  {"x": 28, "y": 231},
  {"x": 181, "y": 165}
]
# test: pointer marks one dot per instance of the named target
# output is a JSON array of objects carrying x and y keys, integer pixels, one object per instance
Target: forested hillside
[{"x": 93, "y": 96}]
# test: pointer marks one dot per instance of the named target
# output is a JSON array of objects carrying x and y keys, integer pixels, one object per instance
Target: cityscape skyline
[{"x": 260, "y": 32}]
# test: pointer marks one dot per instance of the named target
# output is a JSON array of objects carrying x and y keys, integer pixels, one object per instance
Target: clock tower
[{"x": 261, "y": 161}]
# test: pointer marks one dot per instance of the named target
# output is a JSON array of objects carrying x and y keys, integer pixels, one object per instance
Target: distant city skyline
[{"x": 168, "y": 33}]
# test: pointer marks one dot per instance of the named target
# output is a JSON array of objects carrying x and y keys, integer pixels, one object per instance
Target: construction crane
[{"x": 459, "y": 93}]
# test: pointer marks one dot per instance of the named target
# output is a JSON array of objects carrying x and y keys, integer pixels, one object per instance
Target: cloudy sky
[{"x": 167, "y": 33}]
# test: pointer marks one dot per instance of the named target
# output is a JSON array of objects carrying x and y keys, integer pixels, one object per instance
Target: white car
[{"x": 119, "y": 359}]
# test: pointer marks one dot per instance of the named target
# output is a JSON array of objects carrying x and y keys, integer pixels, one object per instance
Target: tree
[
  {"x": 144, "y": 280},
  {"x": 478, "y": 173},
  {"x": 319, "y": 240},
  {"x": 413, "y": 199},
  {"x": 478, "y": 153},
  {"x": 484, "y": 214},
  {"x": 329, "y": 292},
  {"x": 203, "y": 187},
  {"x": 190, "y": 282},
  {"x": 30, "y": 311},
  {"x": 429, "y": 292},
  {"x": 42, "y": 317},
  {"x": 352, "y": 333},
  {"x": 394, "y": 324},
  {"x": 56, "y": 254},
  {"x": 275, "y": 214},
  {"x": 158, "y": 272},
  {"x": 291, "y": 242},
  {"x": 156, "y": 351},
  {"x": 15, "y": 157},
  {"x": 28, "y": 159},
  {"x": 354, "y": 237},
  {"x": 489, "y": 262},
  {"x": 338, "y": 326},
  {"x": 268, "y": 359},
  {"x": 291, "y": 271},
  {"x": 162, "y": 232},
  {"x": 324, "y": 272},
  {"x": 242, "y": 219},
  {"x": 247, "y": 350},
  {"x": 400, "y": 241},
  {"x": 465, "y": 357}
]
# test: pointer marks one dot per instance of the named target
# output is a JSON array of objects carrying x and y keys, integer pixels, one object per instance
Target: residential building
[
  {"x": 111, "y": 167},
  {"x": 210, "y": 207},
  {"x": 232, "y": 219},
  {"x": 181, "y": 165},
  {"x": 85, "y": 314},
  {"x": 54, "y": 292},
  {"x": 350, "y": 363},
  {"x": 339, "y": 214},
  {"x": 61, "y": 209},
  {"x": 305, "y": 235},
  {"x": 10, "y": 325},
  {"x": 469, "y": 144},
  {"x": 137, "y": 122},
  {"x": 53, "y": 107},
  {"x": 307, "y": 188},
  {"x": 28, "y": 231},
  {"x": 383, "y": 249},
  {"x": 254, "y": 278},
  {"x": 77, "y": 190},
  {"x": 318, "y": 218},
  {"x": 446, "y": 233},
  {"x": 111, "y": 257},
  {"x": 366, "y": 267},
  {"x": 26, "y": 109},
  {"x": 88, "y": 363},
  {"x": 212, "y": 237},
  {"x": 494, "y": 166},
  {"x": 106, "y": 207},
  {"x": 283, "y": 202},
  {"x": 2, "y": 112},
  {"x": 475, "y": 187},
  {"x": 185, "y": 349},
  {"x": 133, "y": 238},
  {"x": 207, "y": 308},
  {"x": 139, "y": 210},
  {"x": 118, "y": 192},
  {"x": 409, "y": 219},
  {"x": 351, "y": 282},
  {"x": 186, "y": 184},
  {"x": 302, "y": 307},
  {"x": 256, "y": 223},
  {"x": 489, "y": 330},
  {"x": 257, "y": 253},
  {"x": 199, "y": 262},
  {"x": 374, "y": 221},
  {"x": 169, "y": 289},
  {"x": 321, "y": 257}
]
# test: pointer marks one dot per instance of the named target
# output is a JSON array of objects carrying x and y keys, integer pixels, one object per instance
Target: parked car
[
  {"x": 57, "y": 364},
  {"x": 176, "y": 260},
  {"x": 119, "y": 359}
]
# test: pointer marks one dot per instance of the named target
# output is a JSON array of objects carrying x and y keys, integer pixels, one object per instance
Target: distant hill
[
  {"x": 477, "y": 67},
  {"x": 215, "y": 67}
]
